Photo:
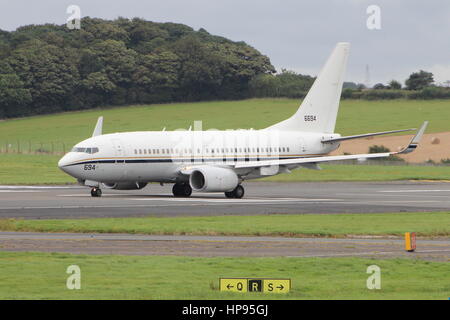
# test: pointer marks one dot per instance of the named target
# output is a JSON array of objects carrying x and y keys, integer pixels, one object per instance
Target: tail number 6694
[{"x": 310, "y": 118}]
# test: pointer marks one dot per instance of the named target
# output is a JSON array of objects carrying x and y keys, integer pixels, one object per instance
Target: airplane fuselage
[{"x": 158, "y": 156}]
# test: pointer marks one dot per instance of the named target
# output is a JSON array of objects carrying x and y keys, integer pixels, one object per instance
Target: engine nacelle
[
  {"x": 213, "y": 179},
  {"x": 125, "y": 185}
]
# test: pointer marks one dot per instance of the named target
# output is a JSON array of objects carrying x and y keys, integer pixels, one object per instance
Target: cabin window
[{"x": 287, "y": 149}]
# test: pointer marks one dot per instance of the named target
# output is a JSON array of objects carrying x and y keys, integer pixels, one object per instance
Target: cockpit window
[{"x": 86, "y": 150}]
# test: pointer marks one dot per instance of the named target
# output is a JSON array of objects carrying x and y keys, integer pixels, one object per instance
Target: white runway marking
[
  {"x": 37, "y": 187},
  {"x": 233, "y": 200},
  {"x": 206, "y": 199},
  {"x": 87, "y": 195},
  {"x": 414, "y": 190},
  {"x": 16, "y": 191},
  {"x": 98, "y": 206}
]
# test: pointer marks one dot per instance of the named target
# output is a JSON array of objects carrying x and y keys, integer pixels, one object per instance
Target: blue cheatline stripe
[{"x": 188, "y": 160}]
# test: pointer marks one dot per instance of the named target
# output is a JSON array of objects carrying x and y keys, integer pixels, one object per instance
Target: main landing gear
[
  {"x": 237, "y": 193},
  {"x": 182, "y": 190},
  {"x": 96, "y": 192}
]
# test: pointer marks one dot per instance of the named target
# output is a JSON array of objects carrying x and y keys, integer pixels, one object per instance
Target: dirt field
[{"x": 433, "y": 146}]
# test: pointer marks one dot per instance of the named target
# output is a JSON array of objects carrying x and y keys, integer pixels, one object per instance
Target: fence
[{"x": 31, "y": 147}]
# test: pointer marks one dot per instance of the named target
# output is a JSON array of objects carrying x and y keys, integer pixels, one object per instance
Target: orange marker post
[{"x": 410, "y": 241}]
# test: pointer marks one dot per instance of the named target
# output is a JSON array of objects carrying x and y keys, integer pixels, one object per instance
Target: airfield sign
[{"x": 264, "y": 285}]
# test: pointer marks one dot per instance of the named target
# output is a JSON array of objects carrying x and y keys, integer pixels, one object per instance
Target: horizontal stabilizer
[{"x": 359, "y": 136}]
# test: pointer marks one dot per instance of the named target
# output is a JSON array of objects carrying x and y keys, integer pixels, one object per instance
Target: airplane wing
[{"x": 410, "y": 148}]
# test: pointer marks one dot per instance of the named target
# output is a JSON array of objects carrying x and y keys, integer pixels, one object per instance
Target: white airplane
[{"x": 219, "y": 161}]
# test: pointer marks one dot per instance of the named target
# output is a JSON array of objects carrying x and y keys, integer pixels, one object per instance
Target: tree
[
  {"x": 379, "y": 86},
  {"x": 48, "y": 72},
  {"x": 419, "y": 80},
  {"x": 13, "y": 96},
  {"x": 49, "y": 68},
  {"x": 394, "y": 84}
]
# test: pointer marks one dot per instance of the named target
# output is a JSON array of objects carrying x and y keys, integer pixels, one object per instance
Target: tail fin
[
  {"x": 319, "y": 109},
  {"x": 98, "y": 131}
]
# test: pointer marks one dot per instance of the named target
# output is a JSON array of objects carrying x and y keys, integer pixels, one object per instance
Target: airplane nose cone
[{"x": 62, "y": 163}]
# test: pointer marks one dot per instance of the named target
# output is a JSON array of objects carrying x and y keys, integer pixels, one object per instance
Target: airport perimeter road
[
  {"x": 211, "y": 246},
  {"x": 261, "y": 198}
]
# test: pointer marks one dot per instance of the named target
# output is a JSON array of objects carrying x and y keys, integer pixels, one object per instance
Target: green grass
[
  {"x": 42, "y": 169},
  {"x": 31, "y": 169},
  {"x": 43, "y": 276},
  {"x": 354, "y": 117},
  {"x": 337, "y": 225}
]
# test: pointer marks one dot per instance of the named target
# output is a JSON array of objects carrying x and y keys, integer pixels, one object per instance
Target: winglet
[
  {"x": 415, "y": 141},
  {"x": 98, "y": 127}
]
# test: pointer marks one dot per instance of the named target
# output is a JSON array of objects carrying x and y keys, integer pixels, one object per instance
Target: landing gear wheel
[
  {"x": 237, "y": 193},
  {"x": 96, "y": 192},
  {"x": 229, "y": 194},
  {"x": 182, "y": 190}
]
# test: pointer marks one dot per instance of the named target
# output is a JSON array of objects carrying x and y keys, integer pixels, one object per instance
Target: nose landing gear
[{"x": 96, "y": 192}]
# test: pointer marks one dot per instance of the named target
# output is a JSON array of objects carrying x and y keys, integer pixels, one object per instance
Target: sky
[{"x": 298, "y": 35}]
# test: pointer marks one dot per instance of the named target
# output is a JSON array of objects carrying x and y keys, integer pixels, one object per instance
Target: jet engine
[
  {"x": 213, "y": 179},
  {"x": 125, "y": 185}
]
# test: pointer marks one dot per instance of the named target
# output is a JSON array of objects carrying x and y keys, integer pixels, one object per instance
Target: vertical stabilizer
[
  {"x": 318, "y": 111},
  {"x": 98, "y": 131}
]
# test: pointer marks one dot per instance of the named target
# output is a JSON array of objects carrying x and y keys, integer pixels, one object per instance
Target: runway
[
  {"x": 58, "y": 202},
  {"x": 213, "y": 246}
]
